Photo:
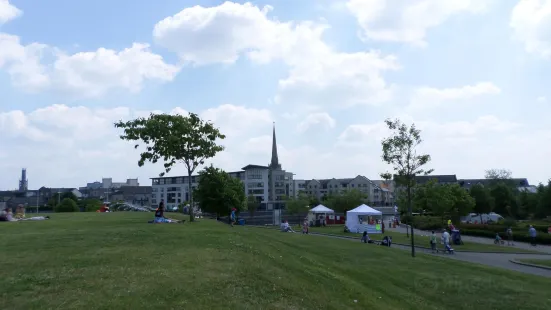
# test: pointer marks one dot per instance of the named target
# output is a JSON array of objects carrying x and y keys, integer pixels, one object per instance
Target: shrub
[
  {"x": 428, "y": 222},
  {"x": 67, "y": 205},
  {"x": 517, "y": 235}
]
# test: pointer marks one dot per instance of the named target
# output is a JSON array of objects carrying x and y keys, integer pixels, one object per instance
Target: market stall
[
  {"x": 364, "y": 218},
  {"x": 318, "y": 215}
]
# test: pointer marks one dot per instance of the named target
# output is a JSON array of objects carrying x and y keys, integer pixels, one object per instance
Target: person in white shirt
[
  {"x": 446, "y": 238},
  {"x": 285, "y": 227}
]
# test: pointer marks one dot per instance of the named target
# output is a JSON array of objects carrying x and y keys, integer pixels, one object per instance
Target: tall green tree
[
  {"x": 400, "y": 150},
  {"x": 544, "y": 201},
  {"x": 66, "y": 205},
  {"x": 484, "y": 202},
  {"x": 174, "y": 139},
  {"x": 346, "y": 200},
  {"x": 433, "y": 198},
  {"x": 462, "y": 204},
  {"x": 295, "y": 205},
  {"x": 218, "y": 192},
  {"x": 504, "y": 198},
  {"x": 252, "y": 205},
  {"x": 58, "y": 197}
]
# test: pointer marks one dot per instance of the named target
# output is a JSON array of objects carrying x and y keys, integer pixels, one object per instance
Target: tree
[
  {"x": 462, "y": 202},
  {"x": 498, "y": 174},
  {"x": 544, "y": 201},
  {"x": 67, "y": 205},
  {"x": 400, "y": 151},
  {"x": 90, "y": 204},
  {"x": 218, "y": 192},
  {"x": 347, "y": 200},
  {"x": 433, "y": 198},
  {"x": 252, "y": 205},
  {"x": 174, "y": 139},
  {"x": 295, "y": 205},
  {"x": 484, "y": 202},
  {"x": 58, "y": 197},
  {"x": 503, "y": 198}
]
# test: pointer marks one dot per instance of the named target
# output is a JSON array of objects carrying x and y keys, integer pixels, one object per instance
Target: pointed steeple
[{"x": 274, "y": 164}]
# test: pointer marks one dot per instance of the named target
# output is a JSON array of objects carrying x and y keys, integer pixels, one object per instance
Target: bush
[
  {"x": 428, "y": 222},
  {"x": 67, "y": 205},
  {"x": 517, "y": 235}
]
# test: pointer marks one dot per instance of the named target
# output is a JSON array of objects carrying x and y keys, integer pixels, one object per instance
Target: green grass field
[
  {"x": 420, "y": 240},
  {"x": 118, "y": 261},
  {"x": 541, "y": 262}
]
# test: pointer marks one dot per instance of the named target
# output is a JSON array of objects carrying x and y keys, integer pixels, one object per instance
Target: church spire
[{"x": 275, "y": 160}]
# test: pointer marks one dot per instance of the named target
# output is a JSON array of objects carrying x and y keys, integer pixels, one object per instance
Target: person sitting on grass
[
  {"x": 365, "y": 238},
  {"x": 285, "y": 227},
  {"x": 160, "y": 215}
]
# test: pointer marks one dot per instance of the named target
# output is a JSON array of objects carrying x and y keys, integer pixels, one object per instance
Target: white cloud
[
  {"x": 322, "y": 119},
  {"x": 531, "y": 23},
  {"x": 429, "y": 96},
  {"x": 74, "y": 139},
  {"x": 541, "y": 99},
  {"x": 408, "y": 21},
  {"x": 66, "y": 142},
  {"x": 8, "y": 11},
  {"x": 84, "y": 74},
  {"x": 318, "y": 75}
]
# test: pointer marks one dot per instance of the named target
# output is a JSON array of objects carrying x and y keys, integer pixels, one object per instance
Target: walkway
[
  {"x": 520, "y": 245},
  {"x": 499, "y": 260}
]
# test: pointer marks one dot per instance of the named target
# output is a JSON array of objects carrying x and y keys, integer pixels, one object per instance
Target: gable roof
[
  {"x": 446, "y": 178},
  {"x": 247, "y": 167}
]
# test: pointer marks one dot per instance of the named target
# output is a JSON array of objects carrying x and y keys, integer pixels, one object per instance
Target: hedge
[{"x": 521, "y": 237}]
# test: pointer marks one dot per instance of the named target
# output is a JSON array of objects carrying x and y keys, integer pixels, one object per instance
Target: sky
[{"x": 473, "y": 75}]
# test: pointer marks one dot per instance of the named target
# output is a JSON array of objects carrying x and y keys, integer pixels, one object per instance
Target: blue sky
[{"x": 472, "y": 74}]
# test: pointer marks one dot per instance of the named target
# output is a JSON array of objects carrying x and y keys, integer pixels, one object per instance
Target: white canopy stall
[
  {"x": 364, "y": 218},
  {"x": 318, "y": 212}
]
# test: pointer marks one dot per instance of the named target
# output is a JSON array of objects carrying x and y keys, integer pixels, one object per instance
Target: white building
[
  {"x": 377, "y": 195},
  {"x": 270, "y": 185}
]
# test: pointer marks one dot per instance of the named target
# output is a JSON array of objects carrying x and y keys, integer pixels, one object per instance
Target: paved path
[
  {"x": 499, "y": 260},
  {"x": 519, "y": 245}
]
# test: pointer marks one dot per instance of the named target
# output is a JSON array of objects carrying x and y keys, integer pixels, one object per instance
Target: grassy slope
[
  {"x": 398, "y": 237},
  {"x": 541, "y": 262},
  {"x": 118, "y": 261}
]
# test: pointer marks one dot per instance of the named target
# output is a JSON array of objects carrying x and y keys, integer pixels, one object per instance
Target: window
[
  {"x": 256, "y": 191},
  {"x": 254, "y": 184},
  {"x": 352, "y": 185},
  {"x": 179, "y": 180},
  {"x": 161, "y": 181},
  {"x": 154, "y": 190},
  {"x": 280, "y": 191},
  {"x": 179, "y": 194}
]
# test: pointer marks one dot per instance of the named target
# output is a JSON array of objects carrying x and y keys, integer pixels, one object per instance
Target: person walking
[
  {"x": 532, "y": 232},
  {"x": 433, "y": 242},
  {"x": 510, "y": 236}
]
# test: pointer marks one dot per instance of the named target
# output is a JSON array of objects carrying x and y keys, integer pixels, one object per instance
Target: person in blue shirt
[
  {"x": 532, "y": 232},
  {"x": 232, "y": 217}
]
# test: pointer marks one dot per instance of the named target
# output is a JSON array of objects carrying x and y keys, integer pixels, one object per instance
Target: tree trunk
[
  {"x": 410, "y": 212},
  {"x": 191, "y": 215}
]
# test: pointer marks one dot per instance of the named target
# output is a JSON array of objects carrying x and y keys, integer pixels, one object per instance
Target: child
[
  {"x": 232, "y": 217},
  {"x": 365, "y": 237},
  {"x": 433, "y": 242},
  {"x": 498, "y": 239},
  {"x": 305, "y": 226}
]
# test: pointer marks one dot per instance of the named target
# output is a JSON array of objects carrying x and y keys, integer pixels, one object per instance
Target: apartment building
[
  {"x": 270, "y": 184},
  {"x": 321, "y": 188}
]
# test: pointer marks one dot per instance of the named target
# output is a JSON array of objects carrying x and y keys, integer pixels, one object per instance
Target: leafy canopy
[
  {"x": 400, "y": 151},
  {"x": 173, "y": 138},
  {"x": 296, "y": 205},
  {"x": 66, "y": 205},
  {"x": 347, "y": 200},
  {"x": 218, "y": 192}
]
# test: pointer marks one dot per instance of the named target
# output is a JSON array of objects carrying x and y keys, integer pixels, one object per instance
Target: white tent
[
  {"x": 321, "y": 209},
  {"x": 355, "y": 225}
]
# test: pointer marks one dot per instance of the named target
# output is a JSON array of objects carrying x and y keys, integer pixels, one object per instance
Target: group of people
[
  {"x": 386, "y": 241},
  {"x": 444, "y": 239},
  {"x": 7, "y": 215}
]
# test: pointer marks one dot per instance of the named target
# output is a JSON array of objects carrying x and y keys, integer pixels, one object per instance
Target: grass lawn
[
  {"x": 541, "y": 262},
  {"x": 118, "y": 261},
  {"x": 398, "y": 237}
]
